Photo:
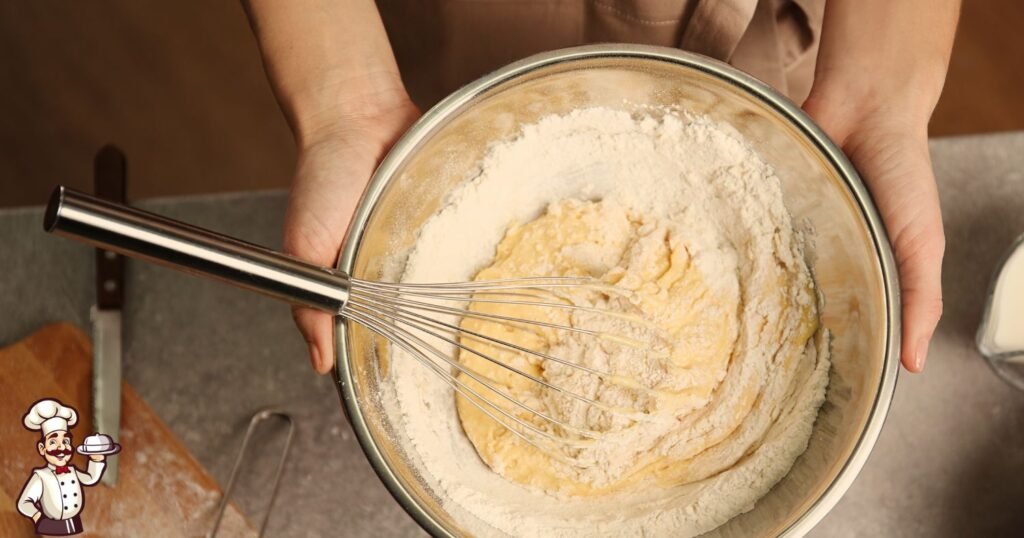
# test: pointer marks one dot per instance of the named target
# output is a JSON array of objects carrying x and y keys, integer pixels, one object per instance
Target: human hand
[
  {"x": 880, "y": 70},
  {"x": 36, "y": 516},
  {"x": 97, "y": 457},
  {"x": 335, "y": 163},
  {"x": 888, "y": 143},
  {"x": 331, "y": 67}
]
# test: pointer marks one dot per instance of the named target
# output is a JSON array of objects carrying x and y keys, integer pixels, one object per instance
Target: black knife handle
[{"x": 109, "y": 172}]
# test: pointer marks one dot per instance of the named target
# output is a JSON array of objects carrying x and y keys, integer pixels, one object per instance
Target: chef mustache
[{"x": 57, "y": 452}]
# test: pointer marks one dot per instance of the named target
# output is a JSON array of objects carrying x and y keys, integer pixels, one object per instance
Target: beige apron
[{"x": 443, "y": 44}]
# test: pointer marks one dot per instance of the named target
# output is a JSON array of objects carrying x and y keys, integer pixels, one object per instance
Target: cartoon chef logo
[{"x": 53, "y": 495}]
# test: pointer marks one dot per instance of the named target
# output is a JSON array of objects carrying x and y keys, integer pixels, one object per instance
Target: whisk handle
[{"x": 154, "y": 238}]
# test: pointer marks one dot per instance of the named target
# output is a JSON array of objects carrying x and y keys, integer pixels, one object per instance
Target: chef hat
[{"x": 50, "y": 416}]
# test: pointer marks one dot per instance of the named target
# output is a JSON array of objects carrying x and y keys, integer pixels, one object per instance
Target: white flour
[{"x": 696, "y": 182}]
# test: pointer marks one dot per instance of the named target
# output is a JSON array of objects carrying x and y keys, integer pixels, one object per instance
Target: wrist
[
  {"x": 882, "y": 62},
  {"x": 903, "y": 100},
  {"x": 373, "y": 127},
  {"x": 343, "y": 104}
]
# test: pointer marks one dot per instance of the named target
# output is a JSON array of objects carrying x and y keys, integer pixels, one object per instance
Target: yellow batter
[{"x": 715, "y": 338}]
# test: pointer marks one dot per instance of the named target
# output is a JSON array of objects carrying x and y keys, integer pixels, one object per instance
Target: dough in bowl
[{"x": 710, "y": 274}]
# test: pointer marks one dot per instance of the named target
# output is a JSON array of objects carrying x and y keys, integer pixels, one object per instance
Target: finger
[
  {"x": 916, "y": 230},
  {"x": 317, "y": 330},
  {"x": 900, "y": 177},
  {"x": 328, "y": 183},
  {"x": 319, "y": 207},
  {"x": 919, "y": 252},
  {"x": 922, "y": 308},
  {"x": 311, "y": 243},
  {"x": 315, "y": 242}
]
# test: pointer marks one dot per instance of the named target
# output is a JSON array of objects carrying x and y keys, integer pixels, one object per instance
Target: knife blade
[{"x": 109, "y": 173}]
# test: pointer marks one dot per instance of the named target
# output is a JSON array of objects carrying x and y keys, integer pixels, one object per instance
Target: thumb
[
  {"x": 897, "y": 169},
  {"x": 319, "y": 207},
  {"x": 920, "y": 265},
  {"x": 919, "y": 246},
  {"x": 314, "y": 240},
  {"x": 329, "y": 181},
  {"x": 317, "y": 329}
]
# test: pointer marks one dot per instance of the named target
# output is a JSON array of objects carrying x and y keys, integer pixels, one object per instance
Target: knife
[{"x": 109, "y": 177}]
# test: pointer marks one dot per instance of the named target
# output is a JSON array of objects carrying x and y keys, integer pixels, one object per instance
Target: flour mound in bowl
[{"x": 680, "y": 212}]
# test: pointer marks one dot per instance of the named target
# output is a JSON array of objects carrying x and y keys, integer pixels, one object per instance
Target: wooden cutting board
[{"x": 161, "y": 489}]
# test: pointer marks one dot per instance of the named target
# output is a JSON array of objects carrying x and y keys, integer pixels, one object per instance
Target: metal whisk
[{"x": 424, "y": 320}]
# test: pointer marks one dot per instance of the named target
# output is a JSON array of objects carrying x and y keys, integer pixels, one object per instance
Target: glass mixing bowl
[{"x": 853, "y": 263}]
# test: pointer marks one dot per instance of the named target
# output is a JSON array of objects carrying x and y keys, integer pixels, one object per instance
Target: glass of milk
[{"x": 1001, "y": 335}]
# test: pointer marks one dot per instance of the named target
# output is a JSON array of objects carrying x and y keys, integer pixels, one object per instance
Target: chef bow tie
[{"x": 61, "y": 469}]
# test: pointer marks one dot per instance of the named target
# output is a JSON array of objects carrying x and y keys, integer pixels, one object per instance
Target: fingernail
[
  {"x": 314, "y": 357},
  {"x": 922, "y": 354}
]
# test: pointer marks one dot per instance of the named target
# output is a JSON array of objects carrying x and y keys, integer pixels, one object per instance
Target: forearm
[
  {"x": 885, "y": 53},
  {"x": 328, "y": 61}
]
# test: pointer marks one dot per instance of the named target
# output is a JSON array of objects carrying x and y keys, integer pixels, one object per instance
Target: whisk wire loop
[
  {"x": 457, "y": 365},
  {"x": 462, "y": 330},
  {"x": 472, "y": 396}
]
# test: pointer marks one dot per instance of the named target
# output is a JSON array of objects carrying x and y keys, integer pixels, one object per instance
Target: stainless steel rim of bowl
[{"x": 768, "y": 96}]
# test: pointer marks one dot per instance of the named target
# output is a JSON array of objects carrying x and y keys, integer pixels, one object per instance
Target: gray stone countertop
[{"x": 204, "y": 356}]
